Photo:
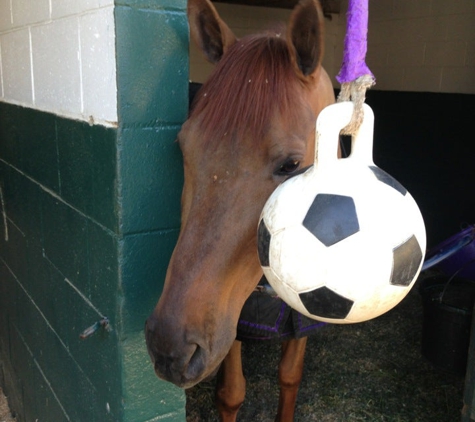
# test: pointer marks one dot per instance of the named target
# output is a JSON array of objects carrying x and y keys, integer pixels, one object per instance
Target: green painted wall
[
  {"x": 88, "y": 221},
  {"x": 58, "y": 266}
]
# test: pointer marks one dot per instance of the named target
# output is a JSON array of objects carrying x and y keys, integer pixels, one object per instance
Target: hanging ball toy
[{"x": 344, "y": 241}]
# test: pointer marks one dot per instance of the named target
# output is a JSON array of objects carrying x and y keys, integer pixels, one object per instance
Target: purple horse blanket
[{"x": 266, "y": 317}]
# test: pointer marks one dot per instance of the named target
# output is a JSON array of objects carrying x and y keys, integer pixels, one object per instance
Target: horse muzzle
[{"x": 181, "y": 362}]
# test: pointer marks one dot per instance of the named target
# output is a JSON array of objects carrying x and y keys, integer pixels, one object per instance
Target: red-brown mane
[{"x": 253, "y": 83}]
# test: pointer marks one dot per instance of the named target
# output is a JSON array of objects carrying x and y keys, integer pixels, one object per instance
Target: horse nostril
[
  {"x": 184, "y": 370},
  {"x": 174, "y": 358},
  {"x": 196, "y": 364}
]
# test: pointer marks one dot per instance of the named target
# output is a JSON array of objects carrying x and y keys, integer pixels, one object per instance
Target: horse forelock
[{"x": 254, "y": 83}]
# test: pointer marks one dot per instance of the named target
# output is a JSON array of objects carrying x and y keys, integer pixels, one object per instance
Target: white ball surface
[{"x": 344, "y": 244}]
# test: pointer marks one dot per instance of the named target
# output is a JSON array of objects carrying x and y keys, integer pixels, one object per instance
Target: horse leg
[
  {"x": 231, "y": 384},
  {"x": 290, "y": 375}
]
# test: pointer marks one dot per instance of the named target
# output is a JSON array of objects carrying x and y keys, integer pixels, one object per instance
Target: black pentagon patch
[
  {"x": 407, "y": 258},
  {"x": 263, "y": 243},
  {"x": 331, "y": 218},
  {"x": 325, "y": 303},
  {"x": 387, "y": 179}
]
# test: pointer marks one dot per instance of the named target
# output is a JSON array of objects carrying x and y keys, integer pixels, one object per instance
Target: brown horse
[{"x": 251, "y": 127}]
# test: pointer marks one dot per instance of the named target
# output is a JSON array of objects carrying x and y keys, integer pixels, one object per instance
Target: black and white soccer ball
[{"x": 344, "y": 242}]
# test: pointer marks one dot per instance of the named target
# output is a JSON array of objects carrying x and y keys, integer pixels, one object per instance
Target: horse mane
[{"x": 252, "y": 84}]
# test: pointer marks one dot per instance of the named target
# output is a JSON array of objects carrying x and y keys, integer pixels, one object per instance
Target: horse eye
[{"x": 288, "y": 167}]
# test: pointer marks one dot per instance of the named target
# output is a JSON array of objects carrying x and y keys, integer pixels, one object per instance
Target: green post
[{"x": 152, "y": 84}]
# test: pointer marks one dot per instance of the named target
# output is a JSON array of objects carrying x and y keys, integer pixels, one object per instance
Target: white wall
[
  {"x": 413, "y": 45},
  {"x": 59, "y": 56},
  {"x": 423, "y": 45}
]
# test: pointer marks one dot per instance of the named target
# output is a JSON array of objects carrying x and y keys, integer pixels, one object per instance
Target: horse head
[{"x": 251, "y": 127}]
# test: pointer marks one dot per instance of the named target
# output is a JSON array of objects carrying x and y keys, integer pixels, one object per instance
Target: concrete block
[
  {"x": 96, "y": 357},
  {"x": 381, "y": 10},
  {"x": 461, "y": 27},
  {"x": 422, "y": 79},
  {"x": 37, "y": 282},
  {"x": 5, "y": 15},
  {"x": 458, "y": 80},
  {"x": 441, "y": 7},
  {"x": 9, "y": 133},
  {"x": 26, "y": 12},
  {"x": 75, "y": 157},
  {"x": 14, "y": 252},
  {"x": 38, "y": 154},
  {"x": 8, "y": 302},
  {"x": 58, "y": 367},
  {"x": 29, "y": 143},
  {"x": 62, "y": 8},
  {"x": 407, "y": 9},
  {"x": 16, "y": 66},
  {"x": 104, "y": 174},
  {"x": 377, "y": 55},
  {"x": 423, "y": 29},
  {"x": 103, "y": 269},
  {"x": 57, "y": 77},
  {"x": 98, "y": 65},
  {"x": 446, "y": 53},
  {"x": 380, "y": 32},
  {"x": 42, "y": 403},
  {"x": 406, "y": 55},
  {"x": 152, "y": 174},
  {"x": 87, "y": 167},
  {"x": 144, "y": 262},
  {"x": 388, "y": 78},
  {"x": 65, "y": 241},
  {"x": 470, "y": 56},
  {"x": 21, "y": 197},
  {"x": 152, "y": 66}
]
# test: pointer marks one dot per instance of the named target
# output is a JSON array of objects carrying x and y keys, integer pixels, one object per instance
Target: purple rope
[{"x": 354, "y": 54}]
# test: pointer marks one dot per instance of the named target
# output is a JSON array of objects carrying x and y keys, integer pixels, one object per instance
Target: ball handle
[{"x": 329, "y": 124}]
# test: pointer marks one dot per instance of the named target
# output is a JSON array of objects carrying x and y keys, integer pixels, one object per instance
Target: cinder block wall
[
  {"x": 413, "y": 45},
  {"x": 423, "y": 45},
  {"x": 92, "y": 95},
  {"x": 50, "y": 51}
]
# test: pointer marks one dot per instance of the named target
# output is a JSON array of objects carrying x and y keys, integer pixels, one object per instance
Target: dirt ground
[
  {"x": 372, "y": 371},
  {"x": 5, "y": 415}
]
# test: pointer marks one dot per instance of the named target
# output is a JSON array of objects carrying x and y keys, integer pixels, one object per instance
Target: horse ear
[
  {"x": 211, "y": 34},
  {"x": 305, "y": 36}
]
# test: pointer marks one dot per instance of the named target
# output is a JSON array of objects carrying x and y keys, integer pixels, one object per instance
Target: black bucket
[{"x": 447, "y": 307}]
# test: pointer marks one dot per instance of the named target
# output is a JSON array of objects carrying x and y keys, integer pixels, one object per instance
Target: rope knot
[{"x": 355, "y": 91}]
